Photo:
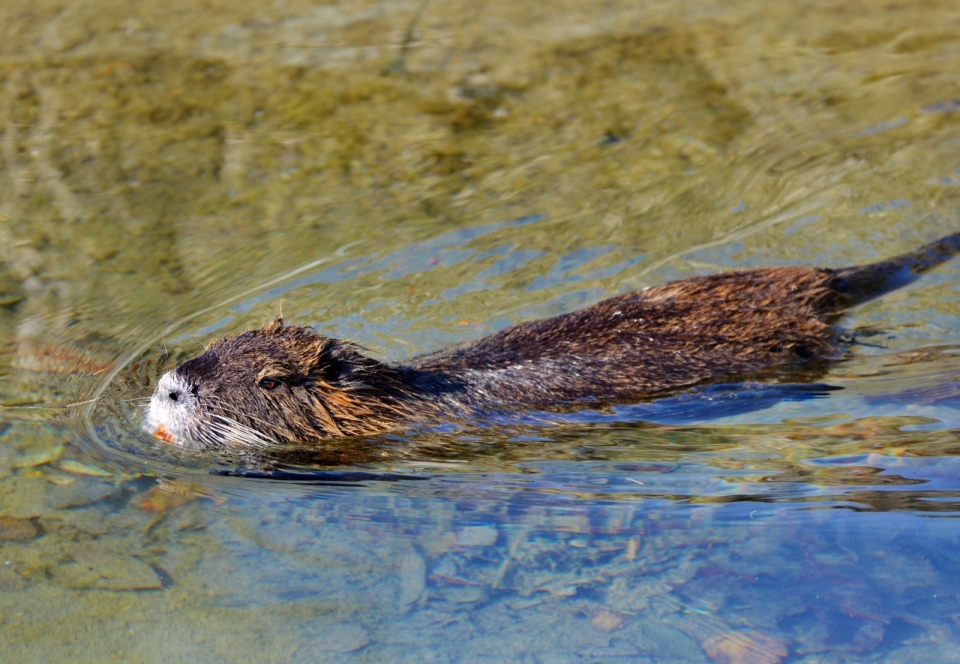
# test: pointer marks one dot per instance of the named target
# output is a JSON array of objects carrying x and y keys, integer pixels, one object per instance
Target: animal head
[{"x": 273, "y": 384}]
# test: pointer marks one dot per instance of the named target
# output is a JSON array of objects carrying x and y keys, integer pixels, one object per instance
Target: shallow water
[{"x": 170, "y": 173}]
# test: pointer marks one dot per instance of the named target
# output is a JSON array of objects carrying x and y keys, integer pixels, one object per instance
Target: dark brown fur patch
[{"x": 644, "y": 343}]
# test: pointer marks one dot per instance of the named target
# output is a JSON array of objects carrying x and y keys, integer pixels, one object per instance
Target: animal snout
[{"x": 171, "y": 389}]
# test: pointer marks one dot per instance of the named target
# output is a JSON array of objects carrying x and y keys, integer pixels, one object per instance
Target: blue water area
[{"x": 693, "y": 556}]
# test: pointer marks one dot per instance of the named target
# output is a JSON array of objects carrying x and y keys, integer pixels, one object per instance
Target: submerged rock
[
  {"x": 78, "y": 494},
  {"x": 77, "y": 468},
  {"x": 337, "y": 637},
  {"x": 413, "y": 578},
  {"x": 37, "y": 458},
  {"x": 95, "y": 567},
  {"x": 477, "y": 536},
  {"x": 735, "y": 647},
  {"x": 17, "y": 530},
  {"x": 606, "y": 620}
]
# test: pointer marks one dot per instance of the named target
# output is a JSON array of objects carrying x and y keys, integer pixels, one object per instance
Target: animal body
[{"x": 288, "y": 384}]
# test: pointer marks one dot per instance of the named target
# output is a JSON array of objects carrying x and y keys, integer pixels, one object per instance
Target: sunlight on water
[{"x": 411, "y": 175}]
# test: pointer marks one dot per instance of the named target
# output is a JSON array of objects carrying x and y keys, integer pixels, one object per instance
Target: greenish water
[{"x": 171, "y": 172}]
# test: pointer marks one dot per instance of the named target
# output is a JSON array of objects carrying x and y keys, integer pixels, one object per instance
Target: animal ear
[
  {"x": 324, "y": 363},
  {"x": 274, "y": 326}
]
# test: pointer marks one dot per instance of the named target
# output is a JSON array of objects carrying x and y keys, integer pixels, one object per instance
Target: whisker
[
  {"x": 239, "y": 432},
  {"x": 234, "y": 411}
]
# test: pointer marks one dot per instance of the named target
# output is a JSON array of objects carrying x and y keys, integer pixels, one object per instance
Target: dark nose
[{"x": 175, "y": 395}]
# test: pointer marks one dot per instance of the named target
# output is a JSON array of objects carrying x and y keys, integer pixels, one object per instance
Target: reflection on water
[{"x": 162, "y": 183}]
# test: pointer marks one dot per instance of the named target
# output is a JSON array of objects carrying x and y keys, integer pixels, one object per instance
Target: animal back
[{"x": 651, "y": 341}]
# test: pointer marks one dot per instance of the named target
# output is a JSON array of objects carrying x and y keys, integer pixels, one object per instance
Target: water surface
[{"x": 167, "y": 176}]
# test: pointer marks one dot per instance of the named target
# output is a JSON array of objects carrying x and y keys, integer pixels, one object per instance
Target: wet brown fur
[{"x": 630, "y": 347}]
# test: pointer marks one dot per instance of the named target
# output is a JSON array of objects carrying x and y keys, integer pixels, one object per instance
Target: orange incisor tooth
[{"x": 163, "y": 434}]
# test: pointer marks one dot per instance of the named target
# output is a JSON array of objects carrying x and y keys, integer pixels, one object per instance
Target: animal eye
[{"x": 269, "y": 383}]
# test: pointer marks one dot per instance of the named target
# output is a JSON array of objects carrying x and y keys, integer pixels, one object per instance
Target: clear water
[{"x": 170, "y": 176}]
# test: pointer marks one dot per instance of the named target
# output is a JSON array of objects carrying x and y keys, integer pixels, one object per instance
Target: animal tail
[{"x": 860, "y": 283}]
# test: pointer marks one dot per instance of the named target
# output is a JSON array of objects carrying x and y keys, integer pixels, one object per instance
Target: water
[{"x": 167, "y": 176}]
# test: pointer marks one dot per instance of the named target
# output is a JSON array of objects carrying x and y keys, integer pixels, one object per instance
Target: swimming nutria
[{"x": 290, "y": 384}]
